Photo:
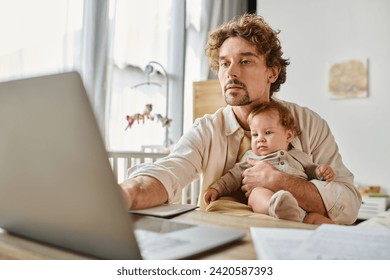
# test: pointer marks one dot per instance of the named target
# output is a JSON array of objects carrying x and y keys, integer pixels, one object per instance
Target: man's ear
[{"x": 273, "y": 74}]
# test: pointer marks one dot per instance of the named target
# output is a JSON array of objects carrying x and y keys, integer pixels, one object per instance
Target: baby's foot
[{"x": 283, "y": 205}]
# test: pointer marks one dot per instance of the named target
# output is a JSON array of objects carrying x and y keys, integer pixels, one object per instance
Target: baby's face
[{"x": 268, "y": 135}]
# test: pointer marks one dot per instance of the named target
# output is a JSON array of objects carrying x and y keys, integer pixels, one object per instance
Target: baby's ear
[{"x": 290, "y": 135}]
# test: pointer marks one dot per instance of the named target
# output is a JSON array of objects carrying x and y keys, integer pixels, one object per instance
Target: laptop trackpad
[{"x": 157, "y": 224}]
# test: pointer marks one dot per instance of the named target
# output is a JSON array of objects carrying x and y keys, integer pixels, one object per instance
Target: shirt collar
[{"x": 231, "y": 123}]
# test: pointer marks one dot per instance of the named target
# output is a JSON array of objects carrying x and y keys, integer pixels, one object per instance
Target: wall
[{"x": 315, "y": 32}]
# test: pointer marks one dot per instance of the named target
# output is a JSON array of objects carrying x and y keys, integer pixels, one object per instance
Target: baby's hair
[{"x": 285, "y": 117}]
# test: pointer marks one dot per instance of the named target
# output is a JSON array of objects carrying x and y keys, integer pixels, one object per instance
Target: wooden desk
[
  {"x": 14, "y": 247},
  {"x": 243, "y": 249}
]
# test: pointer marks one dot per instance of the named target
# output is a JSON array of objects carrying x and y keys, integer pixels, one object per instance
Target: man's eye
[
  {"x": 245, "y": 62},
  {"x": 223, "y": 64}
]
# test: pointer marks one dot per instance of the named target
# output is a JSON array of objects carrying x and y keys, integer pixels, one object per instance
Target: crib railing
[{"x": 121, "y": 161}]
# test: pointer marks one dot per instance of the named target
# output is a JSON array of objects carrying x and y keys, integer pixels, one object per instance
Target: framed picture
[{"x": 348, "y": 79}]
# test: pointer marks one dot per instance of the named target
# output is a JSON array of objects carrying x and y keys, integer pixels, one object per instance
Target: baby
[{"x": 273, "y": 130}]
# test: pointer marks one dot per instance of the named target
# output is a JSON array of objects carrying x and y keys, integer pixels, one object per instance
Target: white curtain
[
  {"x": 39, "y": 37},
  {"x": 140, "y": 32},
  {"x": 44, "y": 37},
  {"x": 94, "y": 56}
]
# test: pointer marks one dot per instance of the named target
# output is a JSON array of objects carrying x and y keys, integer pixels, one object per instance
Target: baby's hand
[
  {"x": 210, "y": 195},
  {"x": 325, "y": 172}
]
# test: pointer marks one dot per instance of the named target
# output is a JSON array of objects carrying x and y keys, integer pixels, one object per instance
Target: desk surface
[{"x": 13, "y": 247}]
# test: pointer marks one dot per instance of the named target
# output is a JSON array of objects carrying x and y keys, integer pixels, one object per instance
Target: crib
[{"x": 121, "y": 161}]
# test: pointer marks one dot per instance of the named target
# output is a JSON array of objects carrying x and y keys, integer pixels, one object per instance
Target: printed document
[{"x": 326, "y": 242}]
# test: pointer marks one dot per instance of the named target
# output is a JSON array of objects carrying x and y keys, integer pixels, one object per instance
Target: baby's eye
[
  {"x": 255, "y": 134},
  {"x": 268, "y": 132}
]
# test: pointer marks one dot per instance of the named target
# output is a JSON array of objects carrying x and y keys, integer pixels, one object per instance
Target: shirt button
[
  {"x": 281, "y": 152},
  {"x": 282, "y": 162}
]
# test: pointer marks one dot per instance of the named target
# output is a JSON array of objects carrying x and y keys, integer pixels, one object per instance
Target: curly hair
[
  {"x": 256, "y": 32},
  {"x": 286, "y": 119}
]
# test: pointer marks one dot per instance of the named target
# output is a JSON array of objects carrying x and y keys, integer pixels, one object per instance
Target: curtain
[
  {"x": 94, "y": 56},
  {"x": 39, "y": 37},
  {"x": 176, "y": 68},
  {"x": 44, "y": 37}
]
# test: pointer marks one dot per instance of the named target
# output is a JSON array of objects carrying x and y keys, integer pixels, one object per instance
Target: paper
[
  {"x": 347, "y": 242},
  {"x": 379, "y": 220},
  {"x": 278, "y": 243},
  {"x": 326, "y": 242},
  {"x": 165, "y": 210}
]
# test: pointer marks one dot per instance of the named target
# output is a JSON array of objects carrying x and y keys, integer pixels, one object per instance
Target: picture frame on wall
[{"x": 348, "y": 79}]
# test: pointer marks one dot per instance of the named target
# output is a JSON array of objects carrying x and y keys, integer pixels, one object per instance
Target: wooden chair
[{"x": 208, "y": 97}]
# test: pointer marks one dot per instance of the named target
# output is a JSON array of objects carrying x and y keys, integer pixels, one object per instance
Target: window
[
  {"x": 142, "y": 31},
  {"x": 38, "y": 37}
]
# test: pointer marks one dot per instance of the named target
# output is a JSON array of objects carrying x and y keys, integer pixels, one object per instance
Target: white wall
[{"x": 315, "y": 32}]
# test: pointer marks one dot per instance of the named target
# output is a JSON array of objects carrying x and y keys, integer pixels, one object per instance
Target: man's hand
[
  {"x": 143, "y": 192},
  {"x": 261, "y": 174}
]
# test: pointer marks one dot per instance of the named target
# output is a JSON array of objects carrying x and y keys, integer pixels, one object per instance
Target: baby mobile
[{"x": 147, "y": 115}]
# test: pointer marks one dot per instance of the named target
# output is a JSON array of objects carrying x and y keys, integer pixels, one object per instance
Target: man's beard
[{"x": 234, "y": 98}]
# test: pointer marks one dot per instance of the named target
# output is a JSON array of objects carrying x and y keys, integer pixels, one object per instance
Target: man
[{"x": 247, "y": 56}]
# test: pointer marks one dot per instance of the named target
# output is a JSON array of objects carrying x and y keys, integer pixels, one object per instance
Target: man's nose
[{"x": 233, "y": 71}]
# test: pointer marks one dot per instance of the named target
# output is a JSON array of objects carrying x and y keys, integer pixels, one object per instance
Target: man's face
[{"x": 243, "y": 75}]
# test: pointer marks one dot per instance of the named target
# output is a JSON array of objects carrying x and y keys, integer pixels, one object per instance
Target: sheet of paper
[
  {"x": 165, "y": 210},
  {"x": 346, "y": 242},
  {"x": 329, "y": 242},
  {"x": 278, "y": 243},
  {"x": 381, "y": 219}
]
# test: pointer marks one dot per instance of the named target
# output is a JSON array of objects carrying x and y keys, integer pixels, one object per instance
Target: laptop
[{"x": 57, "y": 185}]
